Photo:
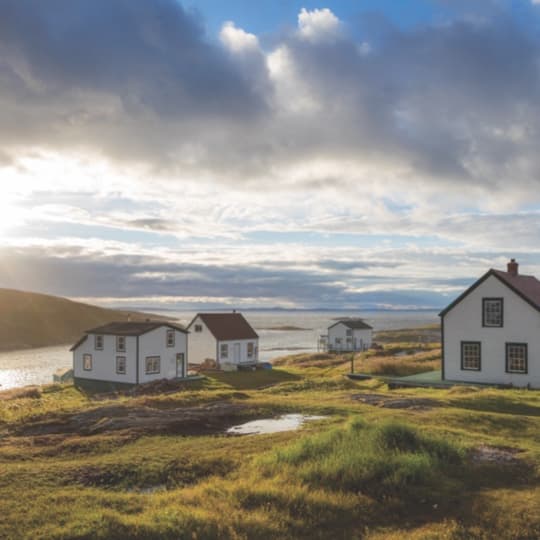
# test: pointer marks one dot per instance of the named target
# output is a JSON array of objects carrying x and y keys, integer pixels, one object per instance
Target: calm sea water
[{"x": 36, "y": 366}]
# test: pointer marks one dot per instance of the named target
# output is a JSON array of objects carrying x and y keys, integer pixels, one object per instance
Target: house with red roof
[
  {"x": 491, "y": 332},
  {"x": 226, "y": 338}
]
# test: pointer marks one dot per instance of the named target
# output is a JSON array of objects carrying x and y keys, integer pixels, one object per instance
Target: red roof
[
  {"x": 527, "y": 287},
  {"x": 227, "y": 326}
]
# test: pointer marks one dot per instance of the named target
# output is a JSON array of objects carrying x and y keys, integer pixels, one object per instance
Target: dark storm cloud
[
  {"x": 74, "y": 273},
  {"x": 103, "y": 73},
  {"x": 140, "y": 81}
]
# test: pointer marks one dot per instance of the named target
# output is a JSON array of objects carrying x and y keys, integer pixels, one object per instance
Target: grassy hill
[
  {"x": 30, "y": 320},
  {"x": 453, "y": 464}
]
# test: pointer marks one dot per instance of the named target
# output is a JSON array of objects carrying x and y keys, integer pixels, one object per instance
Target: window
[
  {"x": 224, "y": 351},
  {"x": 471, "y": 355},
  {"x": 339, "y": 341},
  {"x": 198, "y": 328},
  {"x": 98, "y": 343},
  {"x": 516, "y": 358},
  {"x": 492, "y": 312},
  {"x": 152, "y": 364},
  {"x": 121, "y": 365},
  {"x": 120, "y": 344},
  {"x": 87, "y": 362},
  {"x": 170, "y": 338},
  {"x": 250, "y": 349},
  {"x": 349, "y": 332}
]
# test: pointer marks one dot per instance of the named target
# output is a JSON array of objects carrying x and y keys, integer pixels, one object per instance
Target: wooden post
[{"x": 352, "y": 362}]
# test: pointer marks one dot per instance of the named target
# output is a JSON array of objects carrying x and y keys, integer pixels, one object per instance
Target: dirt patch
[
  {"x": 32, "y": 392},
  {"x": 209, "y": 418},
  {"x": 392, "y": 402},
  {"x": 496, "y": 455}
]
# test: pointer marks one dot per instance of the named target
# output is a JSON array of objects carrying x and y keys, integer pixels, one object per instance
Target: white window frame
[
  {"x": 87, "y": 358},
  {"x": 98, "y": 338},
  {"x": 250, "y": 349},
  {"x": 224, "y": 350},
  {"x": 120, "y": 339},
  {"x": 152, "y": 365},
  {"x": 118, "y": 360},
  {"x": 491, "y": 317},
  {"x": 198, "y": 328},
  {"x": 170, "y": 342}
]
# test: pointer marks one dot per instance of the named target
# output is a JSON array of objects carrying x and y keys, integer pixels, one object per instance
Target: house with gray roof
[
  {"x": 491, "y": 332},
  {"x": 121, "y": 354},
  {"x": 348, "y": 335}
]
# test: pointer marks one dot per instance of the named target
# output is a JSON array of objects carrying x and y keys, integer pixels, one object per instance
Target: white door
[{"x": 237, "y": 353}]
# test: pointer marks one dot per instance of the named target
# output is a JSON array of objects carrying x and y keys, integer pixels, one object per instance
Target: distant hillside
[{"x": 29, "y": 320}]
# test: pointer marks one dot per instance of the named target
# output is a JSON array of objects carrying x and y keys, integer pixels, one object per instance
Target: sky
[{"x": 367, "y": 154}]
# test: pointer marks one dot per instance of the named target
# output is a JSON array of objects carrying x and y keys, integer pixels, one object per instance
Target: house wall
[
  {"x": 363, "y": 338},
  {"x": 201, "y": 345},
  {"x": 243, "y": 356},
  {"x": 154, "y": 343},
  {"x": 104, "y": 361},
  {"x": 464, "y": 323}
]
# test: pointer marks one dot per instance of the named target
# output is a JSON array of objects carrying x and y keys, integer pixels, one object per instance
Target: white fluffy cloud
[
  {"x": 238, "y": 40},
  {"x": 318, "y": 25}
]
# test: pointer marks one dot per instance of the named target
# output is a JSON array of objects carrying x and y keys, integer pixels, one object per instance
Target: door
[
  {"x": 237, "y": 353},
  {"x": 180, "y": 365}
]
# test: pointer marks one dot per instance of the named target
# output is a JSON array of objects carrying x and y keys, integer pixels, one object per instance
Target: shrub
[{"x": 381, "y": 460}]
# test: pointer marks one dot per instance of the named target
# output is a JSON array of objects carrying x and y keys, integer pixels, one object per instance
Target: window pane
[
  {"x": 516, "y": 357},
  {"x": 493, "y": 311},
  {"x": 470, "y": 356}
]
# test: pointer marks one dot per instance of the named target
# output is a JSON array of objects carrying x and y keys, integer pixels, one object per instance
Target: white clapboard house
[
  {"x": 491, "y": 333},
  {"x": 225, "y": 338},
  {"x": 347, "y": 335},
  {"x": 129, "y": 353}
]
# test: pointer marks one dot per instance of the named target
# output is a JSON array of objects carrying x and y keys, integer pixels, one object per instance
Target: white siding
[
  {"x": 359, "y": 340},
  {"x": 240, "y": 345},
  {"x": 104, "y": 361},
  {"x": 464, "y": 323},
  {"x": 202, "y": 345},
  {"x": 154, "y": 343}
]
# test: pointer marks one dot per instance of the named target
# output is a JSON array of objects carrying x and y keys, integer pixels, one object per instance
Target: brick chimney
[{"x": 513, "y": 267}]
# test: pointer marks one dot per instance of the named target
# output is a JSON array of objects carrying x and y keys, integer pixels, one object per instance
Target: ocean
[{"x": 36, "y": 366}]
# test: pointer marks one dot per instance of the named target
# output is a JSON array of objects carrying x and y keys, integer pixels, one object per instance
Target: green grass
[{"x": 363, "y": 472}]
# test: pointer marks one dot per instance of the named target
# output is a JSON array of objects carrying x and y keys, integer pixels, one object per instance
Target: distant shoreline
[{"x": 285, "y": 328}]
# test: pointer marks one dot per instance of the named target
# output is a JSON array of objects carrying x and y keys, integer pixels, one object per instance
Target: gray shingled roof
[
  {"x": 354, "y": 324},
  {"x": 135, "y": 328}
]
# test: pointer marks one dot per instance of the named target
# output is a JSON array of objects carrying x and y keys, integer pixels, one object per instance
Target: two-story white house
[
  {"x": 348, "y": 335},
  {"x": 128, "y": 353},
  {"x": 491, "y": 333},
  {"x": 226, "y": 338}
]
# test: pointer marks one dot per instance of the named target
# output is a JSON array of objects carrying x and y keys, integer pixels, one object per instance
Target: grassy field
[{"x": 456, "y": 464}]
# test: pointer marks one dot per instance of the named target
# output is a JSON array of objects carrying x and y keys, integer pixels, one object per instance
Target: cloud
[
  {"x": 318, "y": 25},
  {"x": 238, "y": 40},
  {"x": 438, "y": 107}
]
